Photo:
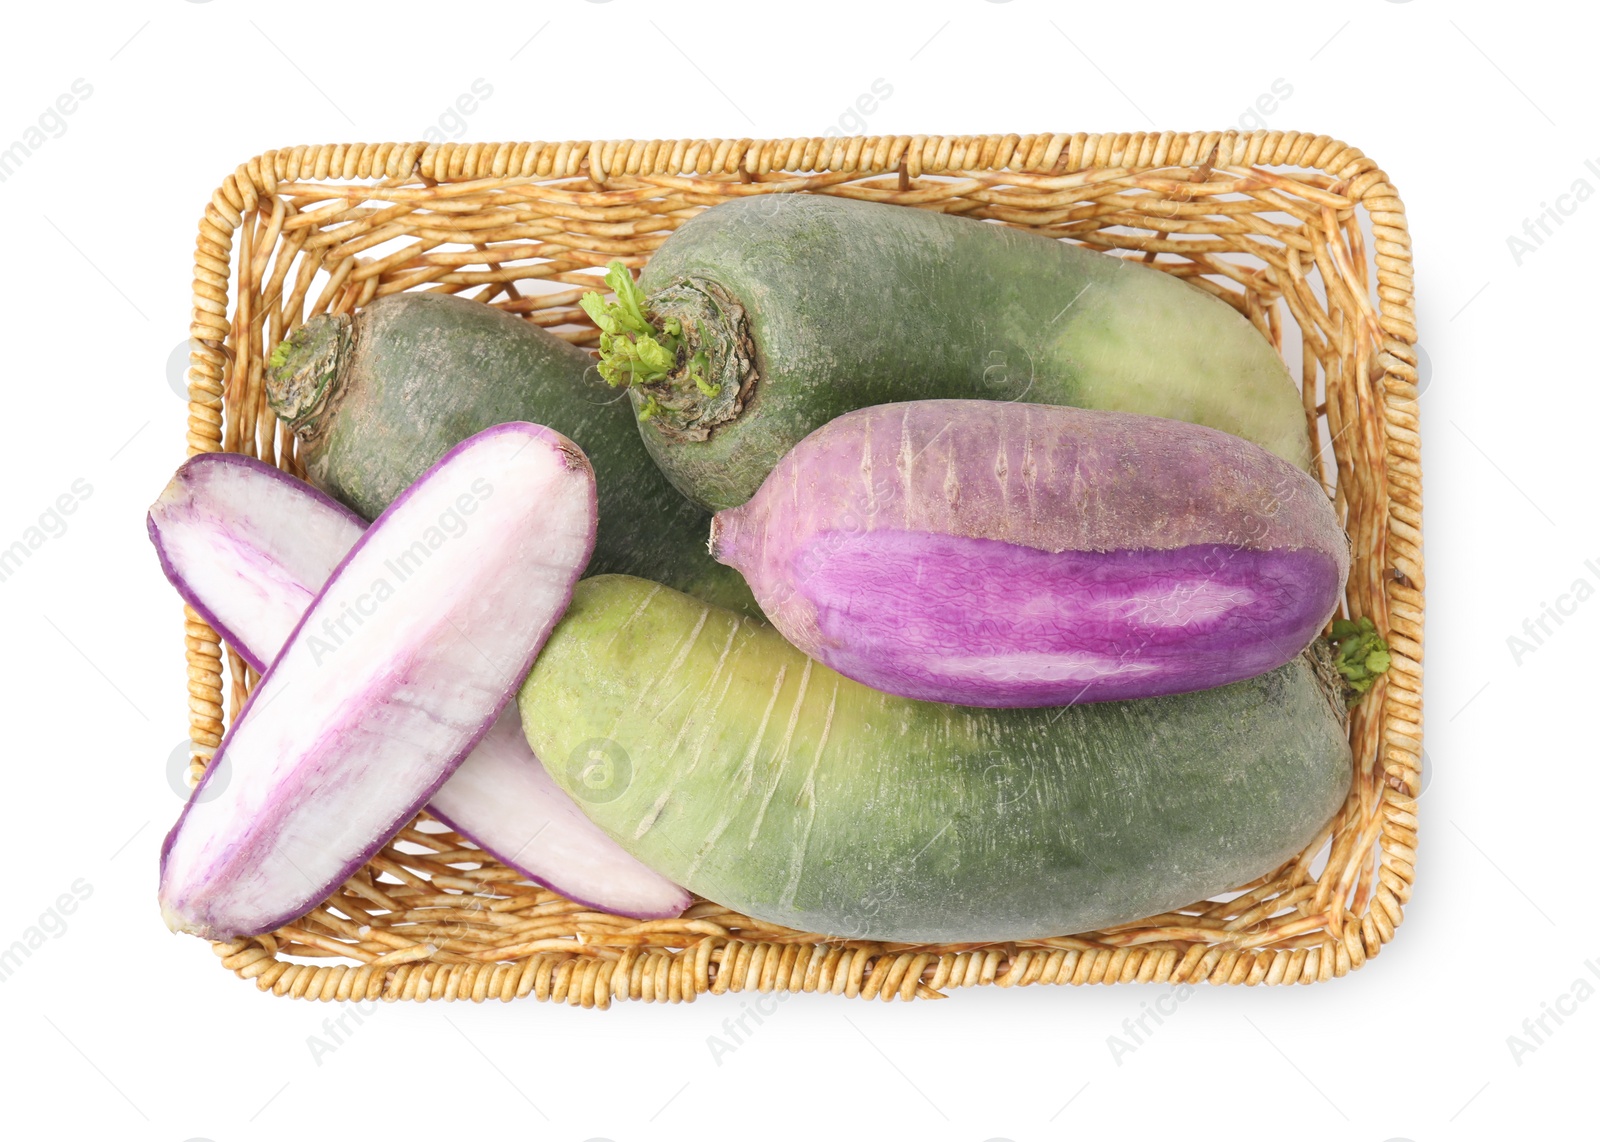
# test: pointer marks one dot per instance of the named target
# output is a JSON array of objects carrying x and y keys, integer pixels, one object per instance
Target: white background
[{"x": 1480, "y": 114}]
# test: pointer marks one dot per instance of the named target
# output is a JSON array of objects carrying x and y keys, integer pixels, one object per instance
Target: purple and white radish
[
  {"x": 398, "y": 667},
  {"x": 1003, "y": 554},
  {"x": 249, "y": 547}
]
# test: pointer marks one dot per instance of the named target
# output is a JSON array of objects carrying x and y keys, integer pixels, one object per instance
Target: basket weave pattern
[{"x": 1268, "y": 221}]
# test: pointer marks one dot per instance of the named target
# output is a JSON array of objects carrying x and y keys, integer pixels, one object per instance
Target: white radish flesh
[
  {"x": 399, "y": 666},
  {"x": 249, "y": 547}
]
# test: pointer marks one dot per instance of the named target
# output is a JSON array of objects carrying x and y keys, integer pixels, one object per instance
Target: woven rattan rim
[{"x": 1257, "y": 218}]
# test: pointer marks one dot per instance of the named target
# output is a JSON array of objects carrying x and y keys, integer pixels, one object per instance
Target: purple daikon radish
[
  {"x": 249, "y": 547},
  {"x": 398, "y": 667},
  {"x": 992, "y": 554}
]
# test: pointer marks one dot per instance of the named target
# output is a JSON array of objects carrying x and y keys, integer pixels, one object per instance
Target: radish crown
[
  {"x": 305, "y": 370},
  {"x": 684, "y": 351}
]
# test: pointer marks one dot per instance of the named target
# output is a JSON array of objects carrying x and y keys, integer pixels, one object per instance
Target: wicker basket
[{"x": 1257, "y": 219}]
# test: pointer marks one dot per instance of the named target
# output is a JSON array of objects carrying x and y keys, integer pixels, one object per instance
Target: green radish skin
[
  {"x": 809, "y": 306},
  {"x": 377, "y": 400},
  {"x": 719, "y": 755}
]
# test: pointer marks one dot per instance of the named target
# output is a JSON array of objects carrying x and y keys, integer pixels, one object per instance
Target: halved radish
[
  {"x": 399, "y": 666},
  {"x": 249, "y": 547}
]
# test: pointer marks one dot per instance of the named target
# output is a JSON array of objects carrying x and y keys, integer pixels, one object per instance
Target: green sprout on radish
[
  {"x": 1360, "y": 654},
  {"x": 633, "y": 349}
]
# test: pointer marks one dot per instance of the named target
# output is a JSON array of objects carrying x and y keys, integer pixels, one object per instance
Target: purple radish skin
[
  {"x": 249, "y": 547},
  {"x": 1003, "y": 554},
  {"x": 398, "y": 667}
]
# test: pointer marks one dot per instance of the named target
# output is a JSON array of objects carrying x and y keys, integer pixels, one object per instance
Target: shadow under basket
[{"x": 1302, "y": 234}]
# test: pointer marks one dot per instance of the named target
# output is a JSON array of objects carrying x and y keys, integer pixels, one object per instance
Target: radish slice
[
  {"x": 399, "y": 666},
  {"x": 249, "y": 547}
]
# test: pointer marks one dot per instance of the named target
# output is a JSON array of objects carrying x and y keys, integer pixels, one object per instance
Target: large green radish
[
  {"x": 765, "y": 317},
  {"x": 722, "y": 757},
  {"x": 377, "y": 399}
]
